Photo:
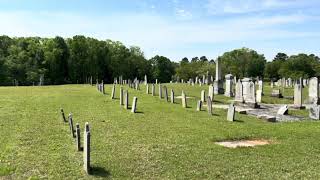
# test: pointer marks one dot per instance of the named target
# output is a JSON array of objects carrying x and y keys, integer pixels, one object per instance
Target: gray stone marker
[
  {"x": 314, "y": 112},
  {"x": 239, "y": 92},
  {"x": 209, "y": 106},
  {"x": 126, "y": 100},
  {"x": 165, "y": 93},
  {"x": 172, "y": 96},
  {"x": 78, "y": 137},
  {"x": 147, "y": 88},
  {"x": 298, "y": 95},
  {"x": 199, "y": 105},
  {"x": 71, "y": 125},
  {"x": 121, "y": 96},
  {"x": 283, "y": 110},
  {"x": 160, "y": 91},
  {"x": 211, "y": 92},
  {"x": 153, "y": 90},
  {"x": 184, "y": 100},
  {"x": 113, "y": 91},
  {"x": 260, "y": 83},
  {"x": 63, "y": 115},
  {"x": 203, "y": 96},
  {"x": 134, "y": 105},
  {"x": 276, "y": 93},
  {"x": 259, "y": 96},
  {"x": 231, "y": 113},
  {"x": 145, "y": 79},
  {"x": 229, "y": 85},
  {"x": 86, "y": 149},
  {"x": 250, "y": 98},
  {"x": 218, "y": 83},
  {"x": 314, "y": 91}
]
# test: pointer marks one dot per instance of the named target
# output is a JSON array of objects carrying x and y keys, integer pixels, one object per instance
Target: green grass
[{"x": 162, "y": 141}]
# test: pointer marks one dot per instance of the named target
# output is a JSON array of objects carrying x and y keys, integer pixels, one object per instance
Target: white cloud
[{"x": 156, "y": 34}]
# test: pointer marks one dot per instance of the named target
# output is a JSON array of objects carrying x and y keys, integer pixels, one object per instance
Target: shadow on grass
[
  {"x": 100, "y": 172},
  {"x": 139, "y": 112},
  {"x": 238, "y": 121}
]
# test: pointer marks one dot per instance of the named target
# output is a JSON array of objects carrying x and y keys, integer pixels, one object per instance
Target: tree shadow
[
  {"x": 99, "y": 171},
  {"x": 238, "y": 121},
  {"x": 139, "y": 112}
]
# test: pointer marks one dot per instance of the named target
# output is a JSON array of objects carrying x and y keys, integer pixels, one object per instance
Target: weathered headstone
[
  {"x": 314, "y": 91},
  {"x": 78, "y": 137},
  {"x": 283, "y": 110},
  {"x": 113, "y": 91},
  {"x": 218, "y": 83},
  {"x": 229, "y": 86},
  {"x": 126, "y": 99},
  {"x": 231, "y": 113},
  {"x": 250, "y": 98},
  {"x": 239, "y": 92},
  {"x": 203, "y": 95},
  {"x": 276, "y": 93},
  {"x": 86, "y": 149},
  {"x": 209, "y": 106},
  {"x": 63, "y": 115},
  {"x": 259, "y": 96},
  {"x": 172, "y": 96},
  {"x": 298, "y": 95},
  {"x": 145, "y": 80},
  {"x": 71, "y": 125},
  {"x": 184, "y": 100},
  {"x": 160, "y": 91},
  {"x": 314, "y": 112},
  {"x": 134, "y": 105},
  {"x": 165, "y": 93},
  {"x": 121, "y": 96},
  {"x": 199, "y": 105},
  {"x": 211, "y": 92},
  {"x": 147, "y": 88},
  {"x": 260, "y": 83},
  {"x": 153, "y": 90}
]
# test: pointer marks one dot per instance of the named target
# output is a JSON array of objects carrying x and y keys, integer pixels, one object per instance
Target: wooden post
[
  {"x": 63, "y": 116},
  {"x": 86, "y": 149}
]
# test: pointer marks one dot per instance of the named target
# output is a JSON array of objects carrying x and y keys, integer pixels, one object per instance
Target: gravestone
[
  {"x": 218, "y": 83},
  {"x": 102, "y": 88},
  {"x": 62, "y": 115},
  {"x": 209, "y": 106},
  {"x": 147, "y": 88},
  {"x": 126, "y": 100},
  {"x": 78, "y": 137},
  {"x": 229, "y": 86},
  {"x": 165, "y": 93},
  {"x": 199, "y": 105},
  {"x": 172, "y": 96},
  {"x": 250, "y": 98},
  {"x": 231, "y": 113},
  {"x": 314, "y": 112},
  {"x": 246, "y": 87},
  {"x": 203, "y": 95},
  {"x": 134, "y": 105},
  {"x": 260, "y": 83},
  {"x": 184, "y": 100},
  {"x": 86, "y": 149},
  {"x": 298, "y": 95},
  {"x": 153, "y": 90},
  {"x": 71, "y": 125},
  {"x": 276, "y": 93},
  {"x": 314, "y": 91},
  {"x": 239, "y": 92},
  {"x": 113, "y": 91},
  {"x": 121, "y": 96},
  {"x": 259, "y": 96},
  {"x": 283, "y": 110},
  {"x": 160, "y": 91},
  {"x": 156, "y": 81},
  {"x": 211, "y": 92}
]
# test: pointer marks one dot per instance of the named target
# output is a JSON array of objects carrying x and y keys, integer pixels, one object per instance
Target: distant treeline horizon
[{"x": 74, "y": 60}]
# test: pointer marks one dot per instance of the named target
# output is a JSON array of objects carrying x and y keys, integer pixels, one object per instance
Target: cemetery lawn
[{"x": 161, "y": 141}]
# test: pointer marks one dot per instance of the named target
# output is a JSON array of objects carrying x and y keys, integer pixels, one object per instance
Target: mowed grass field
[{"x": 161, "y": 141}]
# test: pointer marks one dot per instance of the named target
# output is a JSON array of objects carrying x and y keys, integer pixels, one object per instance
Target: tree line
[{"x": 74, "y": 60}]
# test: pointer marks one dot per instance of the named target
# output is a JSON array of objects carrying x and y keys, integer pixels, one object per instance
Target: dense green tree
[{"x": 163, "y": 69}]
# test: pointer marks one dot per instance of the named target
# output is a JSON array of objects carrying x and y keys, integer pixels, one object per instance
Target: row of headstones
[
  {"x": 290, "y": 82},
  {"x": 75, "y": 133},
  {"x": 124, "y": 98}
]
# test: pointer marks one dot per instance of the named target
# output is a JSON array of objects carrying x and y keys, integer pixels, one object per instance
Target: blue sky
[{"x": 174, "y": 28}]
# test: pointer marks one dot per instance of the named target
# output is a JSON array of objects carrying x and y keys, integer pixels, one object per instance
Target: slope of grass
[{"x": 161, "y": 141}]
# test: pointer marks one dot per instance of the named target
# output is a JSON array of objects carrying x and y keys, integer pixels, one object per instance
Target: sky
[{"x": 173, "y": 28}]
